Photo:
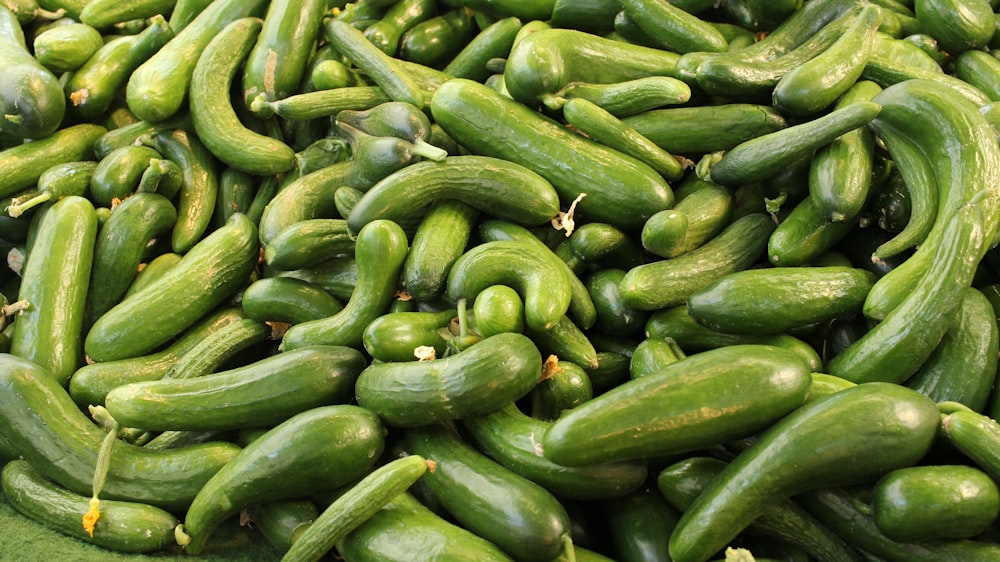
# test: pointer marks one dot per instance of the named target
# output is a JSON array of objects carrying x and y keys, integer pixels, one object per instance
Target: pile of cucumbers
[{"x": 533, "y": 280}]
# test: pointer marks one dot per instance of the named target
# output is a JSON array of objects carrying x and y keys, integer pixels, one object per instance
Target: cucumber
[
  {"x": 796, "y": 297},
  {"x": 307, "y": 243},
  {"x": 669, "y": 282},
  {"x": 495, "y": 372},
  {"x": 380, "y": 249},
  {"x": 355, "y": 506},
  {"x": 397, "y": 335},
  {"x": 118, "y": 174},
  {"x": 263, "y": 393},
  {"x": 513, "y": 439},
  {"x": 674, "y": 29},
  {"x": 619, "y": 189},
  {"x": 701, "y": 129},
  {"x": 229, "y": 253},
  {"x": 958, "y": 26},
  {"x": 25, "y": 163},
  {"x": 216, "y": 121},
  {"x": 506, "y": 190},
  {"x": 106, "y": 13},
  {"x": 866, "y": 431},
  {"x": 158, "y": 88},
  {"x": 441, "y": 238},
  {"x": 920, "y": 503},
  {"x": 677, "y": 409},
  {"x": 289, "y": 300},
  {"x": 55, "y": 285},
  {"x": 514, "y": 513},
  {"x": 962, "y": 368},
  {"x": 404, "y": 526},
  {"x": 278, "y": 59},
  {"x": 123, "y": 527},
  {"x": 543, "y": 287},
  {"x": 31, "y": 99},
  {"x": 66, "y": 47},
  {"x": 47, "y": 428},
  {"x": 313, "y": 451}
]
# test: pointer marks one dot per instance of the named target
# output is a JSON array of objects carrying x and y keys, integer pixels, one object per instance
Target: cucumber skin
[{"x": 123, "y": 527}]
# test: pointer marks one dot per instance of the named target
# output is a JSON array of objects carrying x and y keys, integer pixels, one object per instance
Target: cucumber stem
[
  {"x": 93, "y": 514},
  {"x": 428, "y": 150},
  {"x": 17, "y": 209}
]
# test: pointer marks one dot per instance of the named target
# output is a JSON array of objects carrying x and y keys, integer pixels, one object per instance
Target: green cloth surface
[{"x": 23, "y": 540}]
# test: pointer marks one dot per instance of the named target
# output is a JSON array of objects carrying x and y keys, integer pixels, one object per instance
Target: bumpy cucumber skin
[{"x": 123, "y": 527}]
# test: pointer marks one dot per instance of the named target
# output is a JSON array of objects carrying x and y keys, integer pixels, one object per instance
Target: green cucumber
[
  {"x": 674, "y": 29},
  {"x": 401, "y": 16},
  {"x": 962, "y": 368},
  {"x": 380, "y": 249},
  {"x": 492, "y": 42},
  {"x": 31, "y": 99},
  {"x": 975, "y": 436},
  {"x": 660, "y": 414},
  {"x": 896, "y": 347},
  {"x": 958, "y": 26},
  {"x": 614, "y": 316},
  {"x": 804, "y": 235},
  {"x": 47, "y": 428},
  {"x": 666, "y": 283},
  {"x": 921, "y": 503},
  {"x": 519, "y": 516},
  {"x": 702, "y": 210},
  {"x": 106, "y": 13},
  {"x": 305, "y": 197},
  {"x": 496, "y": 372},
  {"x": 762, "y": 157},
  {"x": 506, "y": 190},
  {"x": 866, "y": 431},
  {"x": 215, "y": 120},
  {"x": 307, "y": 243},
  {"x": 289, "y": 300},
  {"x": 158, "y": 88},
  {"x": 123, "y": 527},
  {"x": 25, "y": 163},
  {"x": 355, "y": 506},
  {"x": 199, "y": 184},
  {"x": 91, "y": 383},
  {"x": 318, "y": 449},
  {"x": 785, "y": 521},
  {"x": 617, "y": 189},
  {"x": 66, "y": 47},
  {"x": 260, "y": 394},
  {"x": 701, "y": 129},
  {"x": 435, "y": 41},
  {"x": 564, "y": 385},
  {"x": 119, "y": 249},
  {"x": 513, "y": 439},
  {"x": 543, "y": 287},
  {"x": 441, "y": 238},
  {"x": 60, "y": 180},
  {"x": 544, "y": 62},
  {"x": 385, "y": 71},
  {"x": 796, "y": 297},
  {"x": 118, "y": 173},
  {"x": 278, "y": 59},
  {"x": 497, "y": 309},
  {"x": 404, "y": 526},
  {"x": 397, "y": 335},
  {"x": 816, "y": 84},
  {"x": 229, "y": 254},
  {"x": 841, "y": 173},
  {"x": 50, "y": 331}
]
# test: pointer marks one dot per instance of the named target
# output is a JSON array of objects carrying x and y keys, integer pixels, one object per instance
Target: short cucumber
[
  {"x": 66, "y": 47},
  {"x": 31, "y": 99},
  {"x": 123, "y": 527},
  {"x": 514, "y": 513},
  {"x": 618, "y": 189},
  {"x": 229, "y": 253},
  {"x": 441, "y": 238},
  {"x": 659, "y": 417},
  {"x": 260, "y": 394},
  {"x": 287, "y": 299},
  {"x": 403, "y": 526},
  {"x": 496, "y": 372},
  {"x": 355, "y": 506},
  {"x": 513, "y": 439},
  {"x": 55, "y": 284},
  {"x": 920, "y": 503},
  {"x": 797, "y": 296},
  {"x": 380, "y": 249},
  {"x": 318, "y": 449},
  {"x": 665, "y": 283},
  {"x": 697, "y": 129}
]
